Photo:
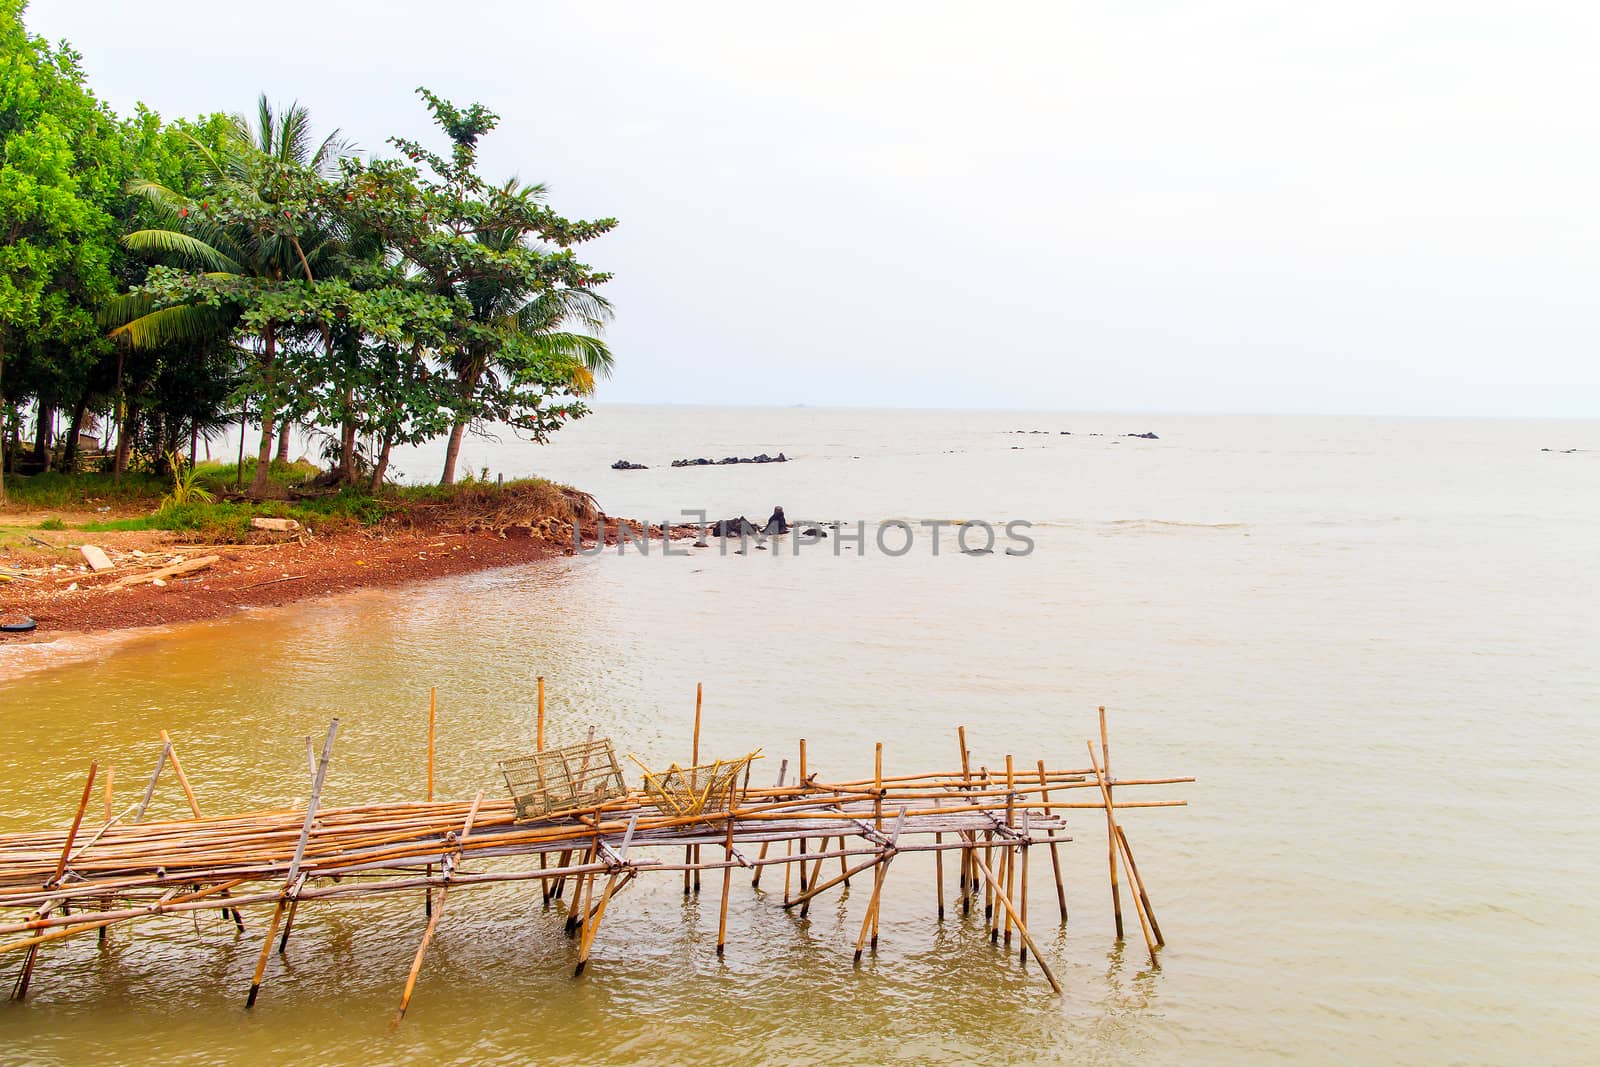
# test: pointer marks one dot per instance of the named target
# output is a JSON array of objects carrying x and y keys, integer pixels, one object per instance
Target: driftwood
[{"x": 172, "y": 570}]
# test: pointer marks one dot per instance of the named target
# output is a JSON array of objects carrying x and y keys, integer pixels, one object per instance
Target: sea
[{"x": 1374, "y": 643}]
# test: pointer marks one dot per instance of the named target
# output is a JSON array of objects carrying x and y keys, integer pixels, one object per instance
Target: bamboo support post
[
  {"x": 150, "y": 789},
  {"x": 1011, "y": 854},
  {"x": 1111, "y": 824},
  {"x": 755, "y": 879},
  {"x": 727, "y": 878},
  {"x": 183, "y": 779},
  {"x": 538, "y": 742},
  {"x": 1138, "y": 885},
  {"x": 690, "y": 855},
  {"x": 438, "y": 913},
  {"x": 1055, "y": 857},
  {"x": 20, "y": 990},
  {"x": 592, "y": 920},
  {"x": 1111, "y": 830},
  {"x": 433, "y": 705},
  {"x": 1022, "y": 928},
  {"x": 1022, "y": 900}
]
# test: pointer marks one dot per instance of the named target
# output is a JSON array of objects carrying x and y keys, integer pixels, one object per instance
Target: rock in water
[
  {"x": 738, "y": 527},
  {"x": 624, "y": 465}
]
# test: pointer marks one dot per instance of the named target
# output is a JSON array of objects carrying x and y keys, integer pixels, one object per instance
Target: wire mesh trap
[{"x": 579, "y": 775}]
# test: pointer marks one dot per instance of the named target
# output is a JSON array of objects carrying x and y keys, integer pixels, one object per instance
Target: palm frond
[
  {"x": 185, "y": 323},
  {"x": 173, "y": 243},
  {"x": 158, "y": 194},
  {"x": 590, "y": 353}
]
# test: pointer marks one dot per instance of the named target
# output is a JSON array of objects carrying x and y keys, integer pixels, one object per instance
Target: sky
[{"x": 1356, "y": 208}]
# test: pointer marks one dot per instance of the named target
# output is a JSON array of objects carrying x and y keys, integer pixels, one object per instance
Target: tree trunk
[
  {"x": 283, "y": 442},
  {"x": 452, "y": 451},
  {"x": 194, "y": 443},
  {"x": 125, "y": 429},
  {"x": 258, "y": 484},
  {"x": 347, "y": 451},
  {"x": 2, "y": 418},
  {"x": 469, "y": 385},
  {"x": 41, "y": 436},
  {"x": 69, "y": 458},
  {"x": 381, "y": 468}
]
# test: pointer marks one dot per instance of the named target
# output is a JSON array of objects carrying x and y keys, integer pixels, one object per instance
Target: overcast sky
[{"x": 1368, "y": 208}]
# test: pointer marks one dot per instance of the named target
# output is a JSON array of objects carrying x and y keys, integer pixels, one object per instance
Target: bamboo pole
[
  {"x": 1011, "y": 853},
  {"x": 1111, "y": 823},
  {"x": 433, "y": 704},
  {"x": 266, "y": 953},
  {"x": 1055, "y": 857},
  {"x": 689, "y": 855},
  {"x": 1138, "y": 884},
  {"x": 1111, "y": 829},
  {"x": 149, "y": 790},
  {"x": 77, "y": 821},
  {"x": 538, "y": 744},
  {"x": 111, "y": 773},
  {"x": 433, "y": 920},
  {"x": 20, "y": 990},
  {"x": 727, "y": 878},
  {"x": 1022, "y": 928},
  {"x": 171, "y": 751},
  {"x": 183, "y": 779},
  {"x": 1023, "y": 900},
  {"x": 591, "y": 923},
  {"x": 755, "y": 879}
]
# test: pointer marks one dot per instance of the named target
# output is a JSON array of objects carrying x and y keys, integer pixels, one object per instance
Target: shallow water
[{"x": 1373, "y": 642}]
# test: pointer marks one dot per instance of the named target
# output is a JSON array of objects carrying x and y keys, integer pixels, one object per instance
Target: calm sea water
[{"x": 1376, "y": 643}]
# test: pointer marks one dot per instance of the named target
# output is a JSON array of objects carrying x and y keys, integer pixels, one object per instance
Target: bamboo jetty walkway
[{"x": 979, "y": 822}]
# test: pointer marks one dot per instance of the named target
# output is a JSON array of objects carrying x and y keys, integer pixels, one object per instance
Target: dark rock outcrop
[
  {"x": 624, "y": 465},
  {"x": 730, "y": 460},
  {"x": 736, "y": 527},
  {"x": 1146, "y": 436}
]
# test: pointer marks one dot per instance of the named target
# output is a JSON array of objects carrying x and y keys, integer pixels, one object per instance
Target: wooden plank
[{"x": 188, "y": 566}]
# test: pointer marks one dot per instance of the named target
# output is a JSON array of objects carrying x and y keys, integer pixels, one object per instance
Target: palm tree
[
  {"x": 249, "y": 167},
  {"x": 534, "y": 318}
]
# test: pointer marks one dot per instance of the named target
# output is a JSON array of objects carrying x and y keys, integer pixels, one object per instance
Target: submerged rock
[
  {"x": 624, "y": 465},
  {"x": 728, "y": 461},
  {"x": 735, "y": 527},
  {"x": 1146, "y": 436}
]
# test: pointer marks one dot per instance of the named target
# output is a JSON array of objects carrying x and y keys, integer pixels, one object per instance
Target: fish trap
[
  {"x": 704, "y": 789},
  {"x": 554, "y": 780}
]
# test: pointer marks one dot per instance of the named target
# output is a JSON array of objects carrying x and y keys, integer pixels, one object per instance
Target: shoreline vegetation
[
  {"x": 166, "y": 280},
  {"x": 318, "y": 541}
]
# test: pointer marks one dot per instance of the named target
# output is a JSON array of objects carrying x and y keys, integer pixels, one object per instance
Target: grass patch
[{"x": 469, "y": 505}]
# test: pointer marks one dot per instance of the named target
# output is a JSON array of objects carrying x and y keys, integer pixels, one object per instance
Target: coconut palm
[
  {"x": 253, "y": 169},
  {"x": 529, "y": 322}
]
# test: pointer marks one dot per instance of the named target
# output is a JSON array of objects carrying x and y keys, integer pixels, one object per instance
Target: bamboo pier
[{"x": 980, "y": 823}]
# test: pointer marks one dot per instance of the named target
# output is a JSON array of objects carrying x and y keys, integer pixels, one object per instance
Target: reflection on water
[{"x": 1378, "y": 660}]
